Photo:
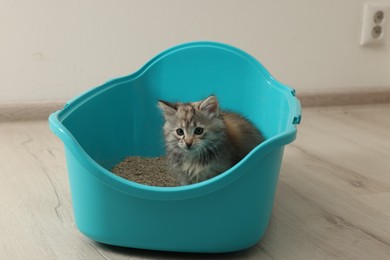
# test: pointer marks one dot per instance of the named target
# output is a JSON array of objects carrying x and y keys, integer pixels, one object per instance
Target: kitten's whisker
[
  {"x": 213, "y": 149},
  {"x": 205, "y": 154}
]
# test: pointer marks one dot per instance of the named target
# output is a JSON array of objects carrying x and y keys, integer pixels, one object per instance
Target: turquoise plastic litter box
[{"x": 229, "y": 212}]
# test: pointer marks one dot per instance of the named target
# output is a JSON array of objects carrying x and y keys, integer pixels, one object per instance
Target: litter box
[{"x": 120, "y": 118}]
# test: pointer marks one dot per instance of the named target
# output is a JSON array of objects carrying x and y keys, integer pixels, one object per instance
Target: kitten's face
[
  {"x": 192, "y": 127},
  {"x": 187, "y": 128}
]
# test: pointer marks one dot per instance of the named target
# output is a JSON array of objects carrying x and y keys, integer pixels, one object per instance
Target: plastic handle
[{"x": 298, "y": 110}]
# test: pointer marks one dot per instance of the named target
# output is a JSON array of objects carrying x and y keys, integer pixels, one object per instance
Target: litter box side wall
[{"x": 229, "y": 219}]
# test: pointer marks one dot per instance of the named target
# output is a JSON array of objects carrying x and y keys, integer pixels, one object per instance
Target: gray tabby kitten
[{"x": 202, "y": 141}]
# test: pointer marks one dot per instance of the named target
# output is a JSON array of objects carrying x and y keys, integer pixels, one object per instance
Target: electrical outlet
[{"x": 374, "y": 24}]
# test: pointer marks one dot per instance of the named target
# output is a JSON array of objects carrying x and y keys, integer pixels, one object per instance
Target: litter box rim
[{"x": 180, "y": 192}]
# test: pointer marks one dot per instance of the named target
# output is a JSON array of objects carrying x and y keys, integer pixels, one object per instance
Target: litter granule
[{"x": 145, "y": 170}]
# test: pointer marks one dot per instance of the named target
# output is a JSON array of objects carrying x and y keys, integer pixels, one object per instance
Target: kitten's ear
[
  {"x": 210, "y": 105},
  {"x": 168, "y": 108}
]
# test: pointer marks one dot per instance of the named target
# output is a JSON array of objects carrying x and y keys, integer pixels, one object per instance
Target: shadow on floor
[{"x": 151, "y": 254}]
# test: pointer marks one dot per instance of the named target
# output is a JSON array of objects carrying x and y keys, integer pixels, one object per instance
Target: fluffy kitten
[{"x": 202, "y": 141}]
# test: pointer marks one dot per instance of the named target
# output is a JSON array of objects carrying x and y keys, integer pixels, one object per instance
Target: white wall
[{"x": 52, "y": 49}]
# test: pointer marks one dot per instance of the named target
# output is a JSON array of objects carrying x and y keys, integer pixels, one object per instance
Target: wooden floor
[{"x": 332, "y": 201}]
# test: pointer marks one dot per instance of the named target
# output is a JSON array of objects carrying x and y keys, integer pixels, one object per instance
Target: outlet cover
[{"x": 375, "y": 17}]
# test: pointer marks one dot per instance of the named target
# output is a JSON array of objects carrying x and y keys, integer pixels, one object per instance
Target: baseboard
[
  {"x": 25, "y": 111},
  {"x": 345, "y": 96}
]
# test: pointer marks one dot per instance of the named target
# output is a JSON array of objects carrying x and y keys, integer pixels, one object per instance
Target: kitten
[{"x": 202, "y": 141}]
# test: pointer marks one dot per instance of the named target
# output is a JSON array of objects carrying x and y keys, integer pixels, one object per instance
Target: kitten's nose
[{"x": 188, "y": 143}]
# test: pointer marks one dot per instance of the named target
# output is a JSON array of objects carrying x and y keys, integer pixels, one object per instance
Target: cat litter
[
  {"x": 144, "y": 170},
  {"x": 229, "y": 212}
]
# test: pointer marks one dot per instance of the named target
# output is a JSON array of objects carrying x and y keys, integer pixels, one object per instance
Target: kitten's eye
[
  {"x": 180, "y": 131},
  {"x": 199, "y": 130}
]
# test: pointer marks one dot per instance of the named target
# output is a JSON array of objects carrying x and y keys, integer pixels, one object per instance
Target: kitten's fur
[{"x": 195, "y": 155}]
